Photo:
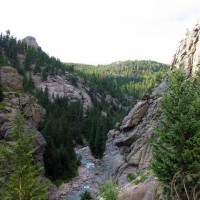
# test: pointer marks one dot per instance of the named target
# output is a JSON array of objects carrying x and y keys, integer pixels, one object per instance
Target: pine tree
[
  {"x": 176, "y": 155},
  {"x": 20, "y": 175}
]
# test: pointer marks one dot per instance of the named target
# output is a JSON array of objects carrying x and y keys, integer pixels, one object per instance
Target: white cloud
[{"x": 102, "y": 31}]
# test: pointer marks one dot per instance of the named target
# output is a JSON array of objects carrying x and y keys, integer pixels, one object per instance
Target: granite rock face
[{"x": 129, "y": 151}]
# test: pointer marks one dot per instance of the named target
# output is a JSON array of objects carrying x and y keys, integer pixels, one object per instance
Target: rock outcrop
[
  {"x": 128, "y": 151},
  {"x": 188, "y": 53},
  {"x": 31, "y": 41},
  {"x": 10, "y": 79},
  {"x": 59, "y": 85}
]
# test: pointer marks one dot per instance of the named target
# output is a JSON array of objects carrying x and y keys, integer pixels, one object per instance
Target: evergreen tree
[
  {"x": 176, "y": 150},
  {"x": 20, "y": 175}
]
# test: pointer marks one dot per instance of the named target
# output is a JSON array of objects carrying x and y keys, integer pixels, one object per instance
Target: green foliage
[
  {"x": 110, "y": 191},
  {"x": 28, "y": 83},
  {"x": 131, "y": 176},
  {"x": 61, "y": 127},
  {"x": 72, "y": 79},
  {"x": 138, "y": 177},
  {"x": 176, "y": 149},
  {"x": 20, "y": 175},
  {"x": 141, "y": 177},
  {"x": 86, "y": 196}
]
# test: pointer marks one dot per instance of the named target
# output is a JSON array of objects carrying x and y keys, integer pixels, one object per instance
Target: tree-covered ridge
[
  {"x": 132, "y": 78},
  {"x": 36, "y": 59}
]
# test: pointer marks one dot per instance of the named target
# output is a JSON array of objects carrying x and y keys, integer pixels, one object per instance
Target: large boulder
[{"x": 10, "y": 79}]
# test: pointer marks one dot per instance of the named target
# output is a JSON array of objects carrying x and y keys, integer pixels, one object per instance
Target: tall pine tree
[
  {"x": 20, "y": 175},
  {"x": 176, "y": 150}
]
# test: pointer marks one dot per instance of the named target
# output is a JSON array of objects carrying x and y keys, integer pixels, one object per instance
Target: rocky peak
[
  {"x": 188, "y": 54},
  {"x": 31, "y": 41}
]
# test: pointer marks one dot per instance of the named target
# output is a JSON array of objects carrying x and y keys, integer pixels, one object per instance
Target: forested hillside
[
  {"x": 113, "y": 89},
  {"x": 124, "y": 80}
]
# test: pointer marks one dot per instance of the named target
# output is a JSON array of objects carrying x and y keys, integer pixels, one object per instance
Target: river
[{"x": 89, "y": 177}]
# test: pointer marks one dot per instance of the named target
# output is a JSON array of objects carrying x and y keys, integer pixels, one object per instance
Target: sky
[{"x": 102, "y": 31}]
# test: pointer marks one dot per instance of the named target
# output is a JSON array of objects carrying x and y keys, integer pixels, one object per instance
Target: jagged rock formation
[
  {"x": 128, "y": 150},
  {"x": 31, "y": 41}
]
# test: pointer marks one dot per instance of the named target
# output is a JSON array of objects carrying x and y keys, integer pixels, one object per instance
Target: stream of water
[{"x": 88, "y": 179}]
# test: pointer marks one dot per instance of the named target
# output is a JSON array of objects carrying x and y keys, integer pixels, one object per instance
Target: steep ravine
[{"x": 89, "y": 177}]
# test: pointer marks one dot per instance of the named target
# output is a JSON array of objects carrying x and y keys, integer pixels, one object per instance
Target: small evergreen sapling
[{"x": 20, "y": 175}]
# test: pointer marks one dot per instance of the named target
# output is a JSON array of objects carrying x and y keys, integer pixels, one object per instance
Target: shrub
[
  {"x": 110, "y": 191},
  {"x": 86, "y": 196}
]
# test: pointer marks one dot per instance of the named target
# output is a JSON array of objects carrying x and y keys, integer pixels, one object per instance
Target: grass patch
[
  {"x": 110, "y": 191},
  {"x": 131, "y": 176},
  {"x": 138, "y": 177}
]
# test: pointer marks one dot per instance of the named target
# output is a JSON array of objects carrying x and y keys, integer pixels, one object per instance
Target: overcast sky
[{"x": 102, "y": 31}]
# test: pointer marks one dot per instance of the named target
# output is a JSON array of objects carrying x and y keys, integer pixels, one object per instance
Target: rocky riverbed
[{"x": 90, "y": 173}]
